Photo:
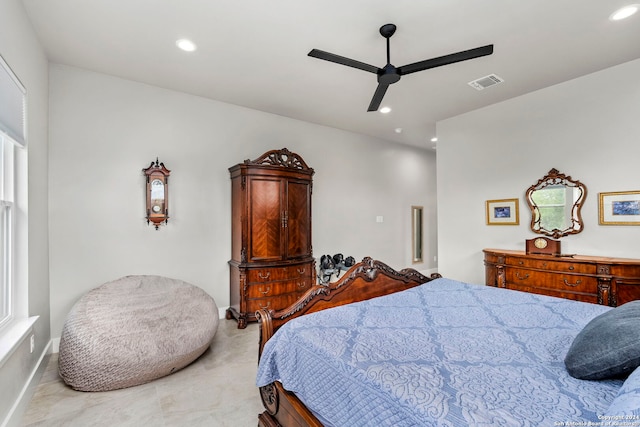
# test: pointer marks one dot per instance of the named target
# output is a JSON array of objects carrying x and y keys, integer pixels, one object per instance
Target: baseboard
[{"x": 14, "y": 418}]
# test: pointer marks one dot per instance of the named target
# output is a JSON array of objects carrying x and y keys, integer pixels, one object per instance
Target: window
[
  {"x": 6, "y": 228},
  {"x": 556, "y": 204},
  {"x": 552, "y": 205},
  {"x": 12, "y": 139}
]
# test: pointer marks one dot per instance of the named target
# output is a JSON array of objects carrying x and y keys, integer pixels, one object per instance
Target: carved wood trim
[
  {"x": 604, "y": 269},
  {"x": 604, "y": 291},
  {"x": 270, "y": 398},
  {"x": 502, "y": 278},
  {"x": 291, "y": 411},
  {"x": 282, "y": 158}
]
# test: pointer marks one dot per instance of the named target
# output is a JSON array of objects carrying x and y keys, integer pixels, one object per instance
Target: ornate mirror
[{"x": 555, "y": 202}]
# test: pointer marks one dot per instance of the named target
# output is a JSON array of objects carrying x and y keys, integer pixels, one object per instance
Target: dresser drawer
[
  {"x": 577, "y": 296},
  {"x": 550, "y": 265},
  {"x": 549, "y": 280},
  {"x": 260, "y": 290},
  {"x": 269, "y": 274}
]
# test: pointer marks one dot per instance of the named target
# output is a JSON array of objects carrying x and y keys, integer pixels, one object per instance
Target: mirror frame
[
  {"x": 417, "y": 234},
  {"x": 554, "y": 177}
]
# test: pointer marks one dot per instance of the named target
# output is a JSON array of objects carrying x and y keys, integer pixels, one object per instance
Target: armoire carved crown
[{"x": 282, "y": 157}]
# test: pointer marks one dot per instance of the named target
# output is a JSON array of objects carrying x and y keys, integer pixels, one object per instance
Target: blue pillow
[
  {"x": 627, "y": 402},
  {"x": 608, "y": 346}
]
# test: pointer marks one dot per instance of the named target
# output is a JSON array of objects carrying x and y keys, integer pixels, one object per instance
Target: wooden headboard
[{"x": 365, "y": 280}]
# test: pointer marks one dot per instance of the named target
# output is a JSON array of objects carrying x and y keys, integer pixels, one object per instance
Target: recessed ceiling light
[
  {"x": 434, "y": 139},
  {"x": 398, "y": 130},
  {"x": 385, "y": 110},
  {"x": 186, "y": 45},
  {"x": 624, "y": 12}
]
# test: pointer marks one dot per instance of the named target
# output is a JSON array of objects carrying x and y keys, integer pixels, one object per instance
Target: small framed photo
[
  {"x": 619, "y": 208},
  {"x": 503, "y": 212}
]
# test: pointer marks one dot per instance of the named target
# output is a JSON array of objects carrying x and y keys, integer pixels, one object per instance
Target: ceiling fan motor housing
[{"x": 389, "y": 75}]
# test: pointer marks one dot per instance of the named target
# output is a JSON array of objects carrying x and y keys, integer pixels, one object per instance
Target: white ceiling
[{"x": 253, "y": 53}]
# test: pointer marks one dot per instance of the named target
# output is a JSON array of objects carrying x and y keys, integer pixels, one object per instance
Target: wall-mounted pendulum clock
[{"x": 157, "y": 193}]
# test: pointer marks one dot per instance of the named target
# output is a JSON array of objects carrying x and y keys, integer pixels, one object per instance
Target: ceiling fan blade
[
  {"x": 321, "y": 54},
  {"x": 377, "y": 96},
  {"x": 445, "y": 60}
]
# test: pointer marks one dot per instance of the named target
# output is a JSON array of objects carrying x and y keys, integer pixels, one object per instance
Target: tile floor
[{"x": 218, "y": 390}]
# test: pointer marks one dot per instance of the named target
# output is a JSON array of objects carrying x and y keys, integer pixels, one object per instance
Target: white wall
[
  {"x": 105, "y": 130},
  {"x": 587, "y": 128},
  {"x": 21, "y": 50}
]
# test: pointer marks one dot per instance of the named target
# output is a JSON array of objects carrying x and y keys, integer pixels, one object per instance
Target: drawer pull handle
[
  {"x": 265, "y": 276},
  {"x": 301, "y": 271},
  {"x": 267, "y": 291},
  {"x": 302, "y": 284},
  {"x": 526, "y": 276},
  {"x": 571, "y": 267},
  {"x": 264, "y": 307},
  {"x": 572, "y": 284}
]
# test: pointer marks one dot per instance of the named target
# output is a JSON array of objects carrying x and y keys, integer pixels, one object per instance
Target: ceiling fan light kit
[{"x": 389, "y": 74}]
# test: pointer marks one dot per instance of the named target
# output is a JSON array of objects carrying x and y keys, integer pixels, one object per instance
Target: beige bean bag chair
[{"x": 134, "y": 330}]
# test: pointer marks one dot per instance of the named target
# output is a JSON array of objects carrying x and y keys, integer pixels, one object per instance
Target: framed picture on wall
[
  {"x": 503, "y": 212},
  {"x": 619, "y": 208}
]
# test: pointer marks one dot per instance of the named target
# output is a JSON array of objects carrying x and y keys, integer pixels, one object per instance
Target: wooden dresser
[
  {"x": 601, "y": 280},
  {"x": 271, "y": 255}
]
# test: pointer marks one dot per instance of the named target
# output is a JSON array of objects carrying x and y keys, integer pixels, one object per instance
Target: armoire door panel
[
  {"x": 298, "y": 219},
  {"x": 265, "y": 220}
]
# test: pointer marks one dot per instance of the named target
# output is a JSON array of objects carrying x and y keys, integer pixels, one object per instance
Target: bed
[{"x": 387, "y": 348}]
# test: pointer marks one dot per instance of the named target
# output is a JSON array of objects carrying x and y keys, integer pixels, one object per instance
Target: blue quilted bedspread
[{"x": 442, "y": 354}]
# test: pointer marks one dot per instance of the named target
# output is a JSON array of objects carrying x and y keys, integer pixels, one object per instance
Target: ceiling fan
[{"x": 390, "y": 74}]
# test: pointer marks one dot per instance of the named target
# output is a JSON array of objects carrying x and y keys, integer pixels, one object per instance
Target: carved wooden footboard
[{"x": 365, "y": 280}]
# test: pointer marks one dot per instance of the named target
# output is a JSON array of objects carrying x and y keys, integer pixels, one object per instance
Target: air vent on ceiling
[{"x": 485, "y": 82}]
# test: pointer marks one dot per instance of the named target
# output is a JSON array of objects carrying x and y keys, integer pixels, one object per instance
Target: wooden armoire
[{"x": 271, "y": 263}]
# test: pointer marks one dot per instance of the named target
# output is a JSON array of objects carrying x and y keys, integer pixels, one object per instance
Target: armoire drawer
[
  {"x": 272, "y": 303},
  {"x": 269, "y": 274},
  {"x": 550, "y": 265},
  {"x": 261, "y": 290}
]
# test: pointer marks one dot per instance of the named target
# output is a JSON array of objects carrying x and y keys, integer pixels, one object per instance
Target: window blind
[{"x": 12, "y": 104}]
